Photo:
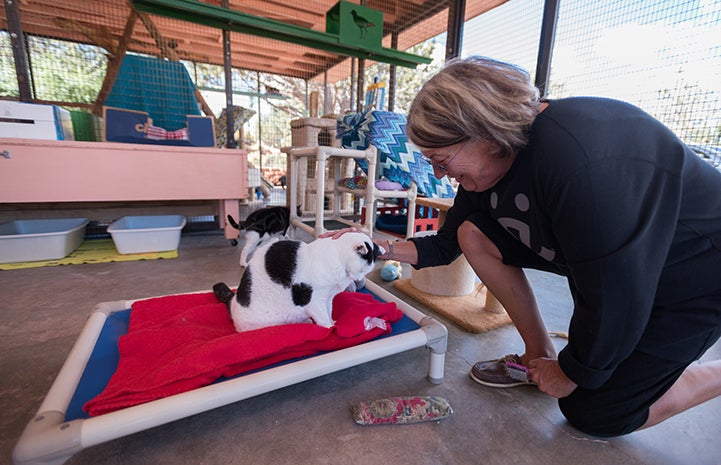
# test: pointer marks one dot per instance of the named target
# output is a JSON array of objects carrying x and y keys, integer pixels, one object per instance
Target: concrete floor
[{"x": 44, "y": 309}]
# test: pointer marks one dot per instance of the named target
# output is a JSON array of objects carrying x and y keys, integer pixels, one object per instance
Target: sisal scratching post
[
  {"x": 451, "y": 280},
  {"x": 453, "y": 292},
  {"x": 469, "y": 311},
  {"x": 492, "y": 304}
]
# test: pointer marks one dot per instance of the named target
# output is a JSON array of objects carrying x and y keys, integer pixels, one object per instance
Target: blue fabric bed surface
[{"x": 105, "y": 356}]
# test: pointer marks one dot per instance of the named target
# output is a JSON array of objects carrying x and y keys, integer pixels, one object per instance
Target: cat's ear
[{"x": 361, "y": 249}]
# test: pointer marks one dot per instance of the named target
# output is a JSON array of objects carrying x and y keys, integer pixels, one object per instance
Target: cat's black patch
[
  {"x": 301, "y": 294},
  {"x": 372, "y": 252},
  {"x": 281, "y": 260},
  {"x": 223, "y": 293},
  {"x": 244, "y": 289}
]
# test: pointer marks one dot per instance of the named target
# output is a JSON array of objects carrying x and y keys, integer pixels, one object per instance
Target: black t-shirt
[{"x": 629, "y": 214}]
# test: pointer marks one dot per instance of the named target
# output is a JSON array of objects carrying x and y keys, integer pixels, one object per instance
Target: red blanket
[{"x": 178, "y": 343}]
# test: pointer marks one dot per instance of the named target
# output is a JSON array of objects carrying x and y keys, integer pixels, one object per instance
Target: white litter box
[
  {"x": 34, "y": 240},
  {"x": 140, "y": 234}
]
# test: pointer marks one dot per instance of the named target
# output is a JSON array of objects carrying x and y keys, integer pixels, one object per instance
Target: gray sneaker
[{"x": 503, "y": 373}]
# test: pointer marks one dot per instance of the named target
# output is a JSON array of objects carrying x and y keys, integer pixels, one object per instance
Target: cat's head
[{"x": 358, "y": 253}]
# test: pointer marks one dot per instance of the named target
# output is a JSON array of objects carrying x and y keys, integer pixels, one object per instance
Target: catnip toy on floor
[
  {"x": 391, "y": 270},
  {"x": 401, "y": 410}
]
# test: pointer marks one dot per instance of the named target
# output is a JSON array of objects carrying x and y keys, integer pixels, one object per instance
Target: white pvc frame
[
  {"x": 49, "y": 439},
  {"x": 370, "y": 194}
]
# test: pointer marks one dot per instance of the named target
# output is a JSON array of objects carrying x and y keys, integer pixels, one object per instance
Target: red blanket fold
[{"x": 178, "y": 343}]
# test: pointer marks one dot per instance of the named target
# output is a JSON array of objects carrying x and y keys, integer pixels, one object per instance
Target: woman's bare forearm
[{"x": 404, "y": 251}]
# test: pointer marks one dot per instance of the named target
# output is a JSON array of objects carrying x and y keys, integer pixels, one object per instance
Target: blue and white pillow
[{"x": 399, "y": 159}]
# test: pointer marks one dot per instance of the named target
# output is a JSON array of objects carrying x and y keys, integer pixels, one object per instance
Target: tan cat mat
[
  {"x": 92, "y": 251},
  {"x": 467, "y": 311}
]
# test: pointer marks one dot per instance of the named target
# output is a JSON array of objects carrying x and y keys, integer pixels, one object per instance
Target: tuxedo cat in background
[
  {"x": 260, "y": 226},
  {"x": 294, "y": 282}
]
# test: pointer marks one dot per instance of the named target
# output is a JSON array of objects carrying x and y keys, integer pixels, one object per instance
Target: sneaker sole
[{"x": 499, "y": 385}]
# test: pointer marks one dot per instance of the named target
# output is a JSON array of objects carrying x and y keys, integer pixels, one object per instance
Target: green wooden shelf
[{"x": 227, "y": 19}]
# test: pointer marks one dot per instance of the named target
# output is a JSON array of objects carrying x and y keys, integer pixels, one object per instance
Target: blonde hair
[{"x": 475, "y": 98}]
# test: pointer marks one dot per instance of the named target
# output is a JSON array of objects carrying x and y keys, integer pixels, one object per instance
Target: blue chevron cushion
[{"x": 399, "y": 159}]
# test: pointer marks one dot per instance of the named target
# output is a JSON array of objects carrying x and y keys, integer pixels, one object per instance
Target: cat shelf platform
[{"x": 61, "y": 428}]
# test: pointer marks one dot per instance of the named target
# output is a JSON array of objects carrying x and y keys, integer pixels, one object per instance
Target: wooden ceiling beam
[
  {"x": 414, "y": 20},
  {"x": 291, "y": 14},
  {"x": 114, "y": 61},
  {"x": 226, "y": 19}
]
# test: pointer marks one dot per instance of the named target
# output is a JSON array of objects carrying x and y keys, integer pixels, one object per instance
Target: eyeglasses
[{"x": 443, "y": 167}]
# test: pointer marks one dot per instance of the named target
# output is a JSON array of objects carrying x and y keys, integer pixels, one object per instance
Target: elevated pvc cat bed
[{"x": 56, "y": 433}]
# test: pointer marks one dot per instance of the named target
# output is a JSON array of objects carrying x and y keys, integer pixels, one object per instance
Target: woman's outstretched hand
[{"x": 338, "y": 233}]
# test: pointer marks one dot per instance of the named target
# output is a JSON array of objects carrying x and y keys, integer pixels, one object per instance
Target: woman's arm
[
  {"x": 405, "y": 251},
  {"x": 434, "y": 250}
]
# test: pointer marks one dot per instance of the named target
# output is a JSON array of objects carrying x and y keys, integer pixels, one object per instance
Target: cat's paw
[
  {"x": 356, "y": 284},
  {"x": 320, "y": 317}
]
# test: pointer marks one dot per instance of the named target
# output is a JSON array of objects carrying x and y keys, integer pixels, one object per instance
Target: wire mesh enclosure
[{"x": 662, "y": 56}]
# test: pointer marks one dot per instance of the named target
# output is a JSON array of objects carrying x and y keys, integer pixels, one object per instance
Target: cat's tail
[
  {"x": 223, "y": 293},
  {"x": 234, "y": 223}
]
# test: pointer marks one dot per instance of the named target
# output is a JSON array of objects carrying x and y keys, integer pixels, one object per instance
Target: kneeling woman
[{"x": 600, "y": 192}]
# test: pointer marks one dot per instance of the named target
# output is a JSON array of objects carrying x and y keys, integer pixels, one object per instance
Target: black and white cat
[
  {"x": 260, "y": 226},
  {"x": 294, "y": 282}
]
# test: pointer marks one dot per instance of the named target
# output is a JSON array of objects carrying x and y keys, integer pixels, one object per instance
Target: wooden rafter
[
  {"x": 115, "y": 58},
  {"x": 102, "y": 21},
  {"x": 100, "y": 35}
]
